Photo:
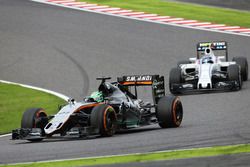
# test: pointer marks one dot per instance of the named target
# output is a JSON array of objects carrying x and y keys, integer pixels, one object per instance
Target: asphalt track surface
[{"x": 65, "y": 50}]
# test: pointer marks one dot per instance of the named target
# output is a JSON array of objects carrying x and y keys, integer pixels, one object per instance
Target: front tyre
[
  {"x": 233, "y": 72},
  {"x": 242, "y": 62},
  {"x": 169, "y": 111},
  {"x": 174, "y": 78},
  {"x": 103, "y": 117},
  {"x": 34, "y": 118}
]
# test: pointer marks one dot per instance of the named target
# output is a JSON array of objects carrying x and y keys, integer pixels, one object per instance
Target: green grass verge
[
  {"x": 14, "y": 100},
  {"x": 184, "y": 10},
  {"x": 167, "y": 155}
]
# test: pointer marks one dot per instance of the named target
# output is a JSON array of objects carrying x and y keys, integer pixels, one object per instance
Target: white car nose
[{"x": 205, "y": 76}]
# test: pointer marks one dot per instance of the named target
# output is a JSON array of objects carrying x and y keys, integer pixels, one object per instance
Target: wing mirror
[
  {"x": 192, "y": 59},
  {"x": 221, "y": 57}
]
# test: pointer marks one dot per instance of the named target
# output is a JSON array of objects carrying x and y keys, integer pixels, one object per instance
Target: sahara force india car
[
  {"x": 210, "y": 70},
  {"x": 114, "y": 106}
]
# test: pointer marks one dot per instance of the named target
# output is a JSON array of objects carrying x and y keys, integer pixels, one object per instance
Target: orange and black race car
[{"x": 114, "y": 106}]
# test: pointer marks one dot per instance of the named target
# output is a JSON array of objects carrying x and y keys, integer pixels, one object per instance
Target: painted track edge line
[
  {"x": 5, "y": 135},
  {"x": 140, "y": 19},
  {"x": 64, "y": 97},
  {"x": 121, "y": 155}
]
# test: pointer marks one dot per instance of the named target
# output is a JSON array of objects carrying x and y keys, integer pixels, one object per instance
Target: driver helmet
[
  {"x": 97, "y": 96},
  {"x": 207, "y": 59}
]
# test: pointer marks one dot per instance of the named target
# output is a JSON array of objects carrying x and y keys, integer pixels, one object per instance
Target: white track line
[
  {"x": 241, "y": 30},
  {"x": 64, "y": 97},
  {"x": 247, "y": 33},
  {"x": 151, "y": 20},
  {"x": 5, "y": 135},
  {"x": 120, "y": 155}
]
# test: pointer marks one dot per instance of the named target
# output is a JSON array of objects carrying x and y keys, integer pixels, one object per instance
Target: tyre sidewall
[
  {"x": 99, "y": 119},
  {"x": 167, "y": 111},
  {"x": 174, "y": 78},
  {"x": 234, "y": 74},
  {"x": 242, "y": 62},
  {"x": 29, "y": 118}
]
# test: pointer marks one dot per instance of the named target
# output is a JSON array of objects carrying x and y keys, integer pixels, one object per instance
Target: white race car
[{"x": 210, "y": 70}]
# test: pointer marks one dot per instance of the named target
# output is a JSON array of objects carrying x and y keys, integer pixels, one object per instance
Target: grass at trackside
[
  {"x": 184, "y": 10},
  {"x": 14, "y": 100},
  {"x": 168, "y": 155}
]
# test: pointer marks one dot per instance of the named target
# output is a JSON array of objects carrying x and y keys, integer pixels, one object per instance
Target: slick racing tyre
[
  {"x": 103, "y": 117},
  {"x": 234, "y": 74},
  {"x": 169, "y": 111},
  {"x": 174, "y": 78},
  {"x": 242, "y": 61},
  {"x": 34, "y": 118}
]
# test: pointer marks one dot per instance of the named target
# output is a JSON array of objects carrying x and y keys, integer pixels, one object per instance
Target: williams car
[{"x": 209, "y": 71}]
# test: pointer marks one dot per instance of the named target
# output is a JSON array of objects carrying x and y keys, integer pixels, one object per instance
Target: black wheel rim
[
  {"x": 109, "y": 121},
  {"x": 178, "y": 113},
  {"x": 110, "y": 118}
]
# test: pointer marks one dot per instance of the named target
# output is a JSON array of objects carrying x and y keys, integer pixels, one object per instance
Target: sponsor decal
[
  {"x": 138, "y": 78},
  {"x": 215, "y": 45},
  {"x": 205, "y": 44},
  {"x": 219, "y": 43},
  {"x": 157, "y": 84}
]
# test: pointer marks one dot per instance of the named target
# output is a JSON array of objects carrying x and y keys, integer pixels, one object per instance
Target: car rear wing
[
  {"x": 155, "y": 81},
  {"x": 219, "y": 48}
]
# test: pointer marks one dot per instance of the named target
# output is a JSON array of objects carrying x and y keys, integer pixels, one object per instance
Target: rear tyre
[
  {"x": 242, "y": 61},
  {"x": 174, "y": 78},
  {"x": 34, "y": 118},
  {"x": 234, "y": 74},
  {"x": 103, "y": 117},
  {"x": 169, "y": 112}
]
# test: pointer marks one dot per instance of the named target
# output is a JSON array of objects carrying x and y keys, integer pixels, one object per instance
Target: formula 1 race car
[
  {"x": 210, "y": 70},
  {"x": 114, "y": 106}
]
